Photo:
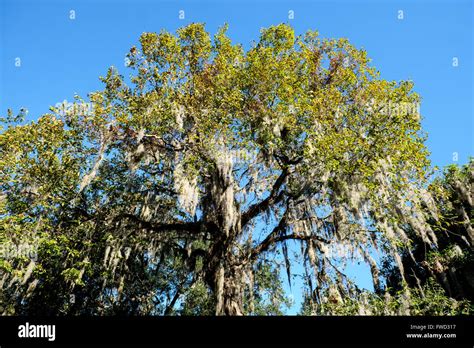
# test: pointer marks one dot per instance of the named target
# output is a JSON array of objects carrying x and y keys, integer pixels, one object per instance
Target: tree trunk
[
  {"x": 225, "y": 276},
  {"x": 229, "y": 291}
]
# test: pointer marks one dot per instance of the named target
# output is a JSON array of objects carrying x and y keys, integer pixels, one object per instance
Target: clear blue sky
[{"x": 61, "y": 57}]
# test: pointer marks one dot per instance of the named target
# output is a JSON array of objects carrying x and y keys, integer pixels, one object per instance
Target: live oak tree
[{"x": 182, "y": 183}]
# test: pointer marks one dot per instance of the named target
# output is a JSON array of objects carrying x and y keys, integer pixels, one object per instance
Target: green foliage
[
  {"x": 431, "y": 300},
  {"x": 198, "y": 301},
  {"x": 268, "y": 297}
]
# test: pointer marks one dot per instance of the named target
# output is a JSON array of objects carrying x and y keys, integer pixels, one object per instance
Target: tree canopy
[{"x": 182, "y": 185}]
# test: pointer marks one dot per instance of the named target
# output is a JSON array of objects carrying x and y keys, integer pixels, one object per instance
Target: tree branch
[
  {"x": 193, "y": 227},
  {"x": 273, "y": 239},
  {"x": 274, "y": 197}
]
